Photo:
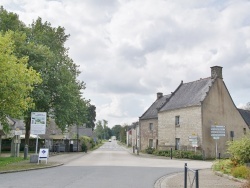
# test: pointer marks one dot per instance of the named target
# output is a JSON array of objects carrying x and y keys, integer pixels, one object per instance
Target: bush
[
  {"x": 240, "y": 150},
  {"x": 223, "y": 166},
  {"x": 241, "y": 172},
  {"x": 150, "y": 150}
]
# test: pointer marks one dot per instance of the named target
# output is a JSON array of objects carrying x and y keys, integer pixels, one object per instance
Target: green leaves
[
  {"x": 29, "y": 54},
  {"x": 240, "y": 150},
  {"x": 16, "y": 80}
]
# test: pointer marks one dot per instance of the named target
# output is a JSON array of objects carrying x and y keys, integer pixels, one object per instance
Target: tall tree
[
  {"x": 16, "y": 80},
  {"x": 91, "y": 109},
  {"x": 116, "y": 131},
  {"x": 60, "y": 92}
]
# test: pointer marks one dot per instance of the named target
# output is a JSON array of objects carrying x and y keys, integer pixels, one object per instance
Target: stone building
[
  {"x": 191, "y": 110},
  {"x": 149, "y": 123}
]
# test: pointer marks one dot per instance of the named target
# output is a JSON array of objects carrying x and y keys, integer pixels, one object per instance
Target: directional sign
[
  {"x": 218, "y": 131},
  {"x": 216, "y": 138}
]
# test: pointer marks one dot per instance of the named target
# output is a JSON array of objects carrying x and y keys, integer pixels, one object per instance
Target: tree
[
  {"x": 116, "y": 131},
  {"x": 99, "y": 130},
  {"x": 16, "y": 80},
  {"x": 102, "y": 130},
  {"x": 91, "y": 110},
  {"x": 60, "y": 92}
]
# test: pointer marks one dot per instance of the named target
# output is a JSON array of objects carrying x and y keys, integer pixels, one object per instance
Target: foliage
[
  {"x": 224, "y": 166},
  {"x": 240, "y": 150},
  {"x": 102, "y": 131},
  {"x": 17, "y": 80},
  {"x": 91, "y": 111},
  {"x": 150, "y": 150},
  {"x": 179, "y": 154},
  {"x": 42, "y": 48},
  {"x": 116, "y": 131},
  {"x": 87, "y": 143},
  {"x": 241, "y": 172}
]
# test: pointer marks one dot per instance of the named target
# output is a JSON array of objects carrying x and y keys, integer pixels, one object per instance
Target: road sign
[
  {"x": 218, "y": 131},
  {"x": 216, "y": 137}
]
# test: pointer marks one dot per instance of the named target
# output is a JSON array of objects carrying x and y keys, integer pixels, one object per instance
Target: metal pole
[
  {"x": 216, "y": 149},
  {"x": 185, "y": 175},
  {"x": 197, "y": 178},
  {"x": 171, "y": 153},
  {"x": 36, "y": 143}
]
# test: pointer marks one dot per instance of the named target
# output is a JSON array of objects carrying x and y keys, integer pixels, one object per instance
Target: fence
[{"x": 191, "y": 179}]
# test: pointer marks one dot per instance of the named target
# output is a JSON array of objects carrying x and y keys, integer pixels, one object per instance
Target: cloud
[{"x": 130, "y": 50}]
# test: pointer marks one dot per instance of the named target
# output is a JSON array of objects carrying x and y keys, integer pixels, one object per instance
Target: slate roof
[
  {"x": 246, "y": 116},
  {"x": 188, "y": 94},
  {"x": 152, "y": 111}
]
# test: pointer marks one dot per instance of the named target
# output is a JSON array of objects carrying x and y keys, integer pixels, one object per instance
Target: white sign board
[
  {"x": 43, "y": 154},
  {"x": 193, "y": 140},
  {"x": 218, "y": 131},
  {"x": 38, "y": 123}
]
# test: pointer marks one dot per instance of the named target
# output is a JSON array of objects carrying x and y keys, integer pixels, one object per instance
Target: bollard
[
  {"x": 171, "y": 153},
  {"x": 133, "y": 149},
  {"x": 25, "y": 151},
  {"x": 197, "y": 178},
  {"x": 219, "y": 156},
  {"x": 137, "y": 150},
  {"x": 185, "y": 175}
]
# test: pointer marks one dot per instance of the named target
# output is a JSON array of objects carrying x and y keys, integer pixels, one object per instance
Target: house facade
[
  {"x": 148, "y": 123},
  {"x": 190, "y": 111}
]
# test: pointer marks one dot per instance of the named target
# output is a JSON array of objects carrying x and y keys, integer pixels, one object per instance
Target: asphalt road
[{"x": 111, "y": 166}]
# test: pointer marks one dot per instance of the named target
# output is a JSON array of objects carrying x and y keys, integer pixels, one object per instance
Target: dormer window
[{"x": 177, "y": 121}]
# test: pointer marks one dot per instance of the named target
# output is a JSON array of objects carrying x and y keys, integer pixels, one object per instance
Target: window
[
  {"x": 151, "y": 126},
  {"x": 177, "y": 143},
  {"x": 150, "y": 143},
  {"x": 244, "y": 131},
  {"x": 177, "y": 121}
]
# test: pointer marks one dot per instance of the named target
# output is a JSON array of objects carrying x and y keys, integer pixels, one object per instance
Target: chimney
[
  {"x": 159, "y": 95},
  {"x": 216, "y": 72}
]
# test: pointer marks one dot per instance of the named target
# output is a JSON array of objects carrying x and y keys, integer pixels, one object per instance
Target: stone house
[
  {"x": 149, "y": 123},
  {"x": 191, "y": 110}
]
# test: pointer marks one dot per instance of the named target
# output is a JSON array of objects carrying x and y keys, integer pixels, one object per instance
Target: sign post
[
  {"x": 217, "y": 131},
  {"x": 194, "y": 141},
  {"x": 38, "y": 124}
]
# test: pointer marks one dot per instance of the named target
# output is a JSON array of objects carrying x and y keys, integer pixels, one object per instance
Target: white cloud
[{"x": 130, "y": 50}]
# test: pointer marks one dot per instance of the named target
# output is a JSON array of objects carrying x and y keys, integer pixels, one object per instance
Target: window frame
[
  {"x": 177, "y": 121},
  {"x": 151, "y": 126}
]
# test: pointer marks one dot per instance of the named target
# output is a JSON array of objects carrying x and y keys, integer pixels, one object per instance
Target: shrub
[
  {"x": 150, "y": 150},
  {"x": 223, "y": 166},
  {"x": 240, "y": 150},
  {"x": 241, "y": 172}
]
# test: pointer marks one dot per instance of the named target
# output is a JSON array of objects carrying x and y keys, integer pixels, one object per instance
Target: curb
[{"x": 28, "y": 169}]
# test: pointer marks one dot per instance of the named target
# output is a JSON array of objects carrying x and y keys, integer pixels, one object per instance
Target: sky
[{"x": 128, "y": 50}]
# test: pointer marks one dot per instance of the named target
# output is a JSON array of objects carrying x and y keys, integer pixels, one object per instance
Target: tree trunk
[{"x": 27, "y": 130}]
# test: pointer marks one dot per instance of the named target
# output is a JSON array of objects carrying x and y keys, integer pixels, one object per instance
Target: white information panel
[
  {"x": 38, "y": 123},
  {"x": 43, "y": 154}
]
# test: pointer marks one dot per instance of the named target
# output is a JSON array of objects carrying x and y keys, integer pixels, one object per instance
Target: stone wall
[
  {"x": 190, "y": 124},
  {"x": 219, "y": 109},
  {"x": 146, "y": 133}
]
